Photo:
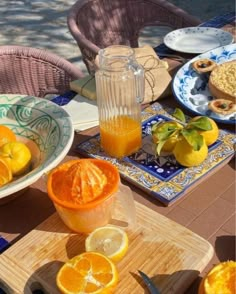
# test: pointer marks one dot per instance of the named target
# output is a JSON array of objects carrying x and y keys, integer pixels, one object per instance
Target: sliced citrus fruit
[
  {"x": 220, "y": 279},
  {"x": 17, "y": 155},
  {"x": 89, "y": 272},
  {"x": 6, "y": 135},
  {"x": 108, "y": 240},
  {"x": 5, "y": 172}
]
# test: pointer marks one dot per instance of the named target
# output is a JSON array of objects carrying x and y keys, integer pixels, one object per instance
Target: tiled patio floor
[{"x": 42, "y": 24}]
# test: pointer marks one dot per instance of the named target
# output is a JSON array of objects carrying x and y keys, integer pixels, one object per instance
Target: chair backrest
[
  {"x": 37, "y": 72},
  {"x": 96, "y": 24}
]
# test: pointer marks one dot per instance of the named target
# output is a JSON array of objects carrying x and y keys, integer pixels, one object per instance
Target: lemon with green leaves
[
  {"x": 205, "y": 127},
  {"x": 188, "y": 141},
  {"x": 191, "y": 149},
  {"x": 165, "y": 135}
]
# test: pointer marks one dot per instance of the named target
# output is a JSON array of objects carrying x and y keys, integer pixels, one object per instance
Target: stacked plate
[{"x": 83, "y": 112}]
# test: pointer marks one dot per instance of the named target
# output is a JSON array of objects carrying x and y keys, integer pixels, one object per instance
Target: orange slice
[
  {"x": 6, "y": 135},
  {"x": 89, "y": 272},
  {"x": 5, "y": 172}
]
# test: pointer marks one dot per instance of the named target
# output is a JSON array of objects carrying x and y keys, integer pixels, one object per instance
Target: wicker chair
[
  {"x": 96, "y": 24},
  {"x": 25, "y": 70}
]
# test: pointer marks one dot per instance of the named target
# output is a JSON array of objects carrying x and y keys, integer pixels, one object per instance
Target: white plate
[
  {"x": 82, "y": 110},
  {"x": 197, "y": 39},
  {"x": 191, "y": 88}
]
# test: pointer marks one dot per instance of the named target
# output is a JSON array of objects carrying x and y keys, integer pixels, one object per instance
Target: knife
[{"x": 149, "y": 283}]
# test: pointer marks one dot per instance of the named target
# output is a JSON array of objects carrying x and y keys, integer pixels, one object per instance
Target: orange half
[
  {"x": 82, "y": 183},
  {"x": 89, "y": 272},
  {"x": 220, "y": 279}
]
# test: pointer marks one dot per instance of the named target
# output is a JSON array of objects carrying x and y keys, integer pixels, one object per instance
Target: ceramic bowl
[{"x": 44, "y": 127}]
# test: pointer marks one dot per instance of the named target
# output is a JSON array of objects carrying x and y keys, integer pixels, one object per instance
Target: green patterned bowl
[{"x": 44, "y": 127}]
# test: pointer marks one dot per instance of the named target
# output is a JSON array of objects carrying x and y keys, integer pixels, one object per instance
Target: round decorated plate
[
  {"x": 191, "y": 88},
  {"x": 197, "y": 39}
]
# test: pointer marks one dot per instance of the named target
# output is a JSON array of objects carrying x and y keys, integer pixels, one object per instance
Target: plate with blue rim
[
  {"x": 197, "y": 39},
  {"x": 191, "y": 89}
]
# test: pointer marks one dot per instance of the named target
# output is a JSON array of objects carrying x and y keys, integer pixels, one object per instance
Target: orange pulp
[
  {"x": 83, "y": 196},
  {"x": 121, "y": 136}
]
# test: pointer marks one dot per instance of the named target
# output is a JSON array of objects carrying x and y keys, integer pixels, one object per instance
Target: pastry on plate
[
  {"x": 203, "y": 65},
  {"x": 222, "y": 81},
  {"x": 222, "y": 106}
]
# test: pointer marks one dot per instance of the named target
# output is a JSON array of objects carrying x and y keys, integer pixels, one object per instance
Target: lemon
[
  {"x": 187, "y": 156},
  {"x": 168, "y": 132},
  {"x": 17, "y": 155},
  {"x": 110, "y": 241},
  {"x": 210, "y": 136},
  {"x": 170, "y": 144}
]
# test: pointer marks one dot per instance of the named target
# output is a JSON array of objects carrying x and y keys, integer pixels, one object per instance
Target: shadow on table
[
  {"x": 225, "y": 248},
  {"x": 172, "y": 283},
  {"x": 232, "y": 162},
  {"x": 25, "y": 212},
  {"x": 44, "y": 279}
]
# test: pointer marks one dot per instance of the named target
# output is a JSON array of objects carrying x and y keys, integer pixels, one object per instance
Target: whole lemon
[
  {"x": 17, "y": 155},
  {"x": 210, "y": 136},
  {"x": 168, "y": 130},
  {"x": 187, "y": 156}
]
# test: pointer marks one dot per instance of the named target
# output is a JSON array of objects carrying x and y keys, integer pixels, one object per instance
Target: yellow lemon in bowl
[{"x": 17, "y": 155}]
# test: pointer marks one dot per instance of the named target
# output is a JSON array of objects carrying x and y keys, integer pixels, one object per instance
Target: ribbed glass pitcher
[{"x": 120, "y": 91}]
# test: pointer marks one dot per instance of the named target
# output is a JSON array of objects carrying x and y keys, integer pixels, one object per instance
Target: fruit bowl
[{"x": 44, "y": 127}]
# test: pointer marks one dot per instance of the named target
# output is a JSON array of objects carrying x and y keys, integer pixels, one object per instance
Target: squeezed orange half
[
  {"x": 83, "y": 192},
  {"x": 121, "y": 136}
]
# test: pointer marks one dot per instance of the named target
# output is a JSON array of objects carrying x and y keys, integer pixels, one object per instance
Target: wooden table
[{"x": 208, "y": 210}]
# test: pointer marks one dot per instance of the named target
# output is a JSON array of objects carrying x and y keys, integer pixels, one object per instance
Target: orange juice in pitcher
[
  {"x": 121, "y": 136},
  {"x": 120, "y": 91}
]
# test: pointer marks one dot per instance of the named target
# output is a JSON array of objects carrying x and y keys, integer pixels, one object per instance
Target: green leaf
[
  {"x": 202, "y": 123},
  {"x": 193, "y": 138},
  {"x": 159, "y": 146},
  {"x": 163, "y": 132},
  {"x": 178, "y": 113}
]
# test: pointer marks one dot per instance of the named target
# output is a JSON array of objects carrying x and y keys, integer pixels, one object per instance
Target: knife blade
[{"x": 149, "y": 283}]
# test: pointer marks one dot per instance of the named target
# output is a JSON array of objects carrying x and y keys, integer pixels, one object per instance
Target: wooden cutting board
[{"x": 169, "y": 253}]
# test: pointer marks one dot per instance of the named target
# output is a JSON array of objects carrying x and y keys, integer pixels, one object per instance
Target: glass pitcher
[{"x": 120, "y": 91}]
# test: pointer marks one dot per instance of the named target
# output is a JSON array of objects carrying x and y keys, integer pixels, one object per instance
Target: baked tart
[
  {"x": 203, "y": 65},
  {"x": 222, "y": 106},
  {"x": 222, "y": 81}
]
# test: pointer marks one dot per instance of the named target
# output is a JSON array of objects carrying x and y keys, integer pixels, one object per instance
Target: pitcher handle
[
  {"x": 125, "y": 197},
  {"x": 139, "y": 81}
]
